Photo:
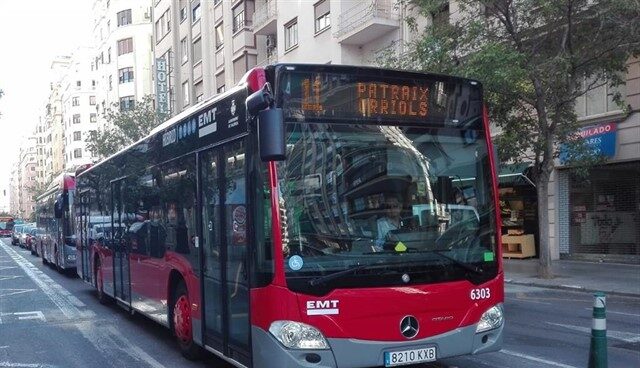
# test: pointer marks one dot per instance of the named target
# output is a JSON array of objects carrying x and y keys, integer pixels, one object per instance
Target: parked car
[
  {"x": 15, "y": 235},
  {"x": 34, "y": 238},
  {"x": 22, "y": 242}
]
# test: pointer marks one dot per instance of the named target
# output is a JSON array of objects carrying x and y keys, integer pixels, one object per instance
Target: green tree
[
  {"x": 534, "y": 58},
  {"x": 124, "y": 127}
]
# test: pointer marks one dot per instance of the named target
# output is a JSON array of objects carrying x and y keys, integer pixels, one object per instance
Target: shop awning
[{"x": 515, "y": 174}]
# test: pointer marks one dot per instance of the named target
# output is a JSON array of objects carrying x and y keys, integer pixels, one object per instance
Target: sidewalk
[{"x": 611, "y": 278}]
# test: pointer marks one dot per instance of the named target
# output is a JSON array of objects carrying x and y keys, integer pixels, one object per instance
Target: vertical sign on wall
[{"x": 162, "y": 87}]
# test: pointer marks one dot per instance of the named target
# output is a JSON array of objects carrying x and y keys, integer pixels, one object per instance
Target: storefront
[
  {"x": 519, "y": 211},
  {"x": 597, "y": 216}
]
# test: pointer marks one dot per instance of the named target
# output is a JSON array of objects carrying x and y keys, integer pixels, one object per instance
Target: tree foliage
[
  {"x": 124, "y": 127},
  {"x": 534, "y": 58}
]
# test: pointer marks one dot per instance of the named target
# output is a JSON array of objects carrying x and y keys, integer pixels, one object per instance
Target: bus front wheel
[{"x": 181, "y": 322}]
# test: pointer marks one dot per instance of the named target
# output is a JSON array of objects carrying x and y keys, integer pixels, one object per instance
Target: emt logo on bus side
[{"x": 322, "y": 307}]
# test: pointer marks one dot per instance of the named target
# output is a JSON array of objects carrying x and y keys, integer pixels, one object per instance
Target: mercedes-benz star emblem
[{"x": 409, "y": 327}]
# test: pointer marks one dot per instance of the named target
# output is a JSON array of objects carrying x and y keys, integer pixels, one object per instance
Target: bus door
[
  {"x": 82, "y": 232},
  {"x": 121, "y": 284},
  {"x": 224, "y": 247}
]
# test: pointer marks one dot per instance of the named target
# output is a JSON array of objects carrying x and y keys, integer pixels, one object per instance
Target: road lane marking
[
  {"x": 112, "y": 343},
  {"x": 4, "y": 278},
  {"x": 25, "y": 365},
  {"x": 49, "y": 287},
  {"x": 536, "y": 359},
  {"x": 8, "y": 292},
  {"x": 618, "y": 335},
  {"x": 30, "y": 315}
]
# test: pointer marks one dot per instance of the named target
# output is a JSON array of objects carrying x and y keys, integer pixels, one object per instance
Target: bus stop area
[{"x": 610, "y": 278}]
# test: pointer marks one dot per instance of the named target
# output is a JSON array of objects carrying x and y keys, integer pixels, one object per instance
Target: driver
[{"x": 390, "y": 221}]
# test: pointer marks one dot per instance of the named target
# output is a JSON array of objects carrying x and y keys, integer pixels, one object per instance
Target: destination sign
[{"x": 436, "y": 100}]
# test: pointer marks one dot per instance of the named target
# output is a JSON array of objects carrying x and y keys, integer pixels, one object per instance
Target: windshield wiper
[
  {"x": 439, "y": 252},
  {"x": 332, "y": 276},
  {"x": 475, "y": 269}
]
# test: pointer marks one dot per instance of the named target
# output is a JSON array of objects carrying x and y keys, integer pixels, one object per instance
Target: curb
[{"x": 571, "y": 287}]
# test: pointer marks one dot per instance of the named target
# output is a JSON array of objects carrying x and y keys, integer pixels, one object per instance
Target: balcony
[
  {"x": 270, "y": 59},
  {"x": 366, "y": 21},
  {"x": 265, "y": 18}
]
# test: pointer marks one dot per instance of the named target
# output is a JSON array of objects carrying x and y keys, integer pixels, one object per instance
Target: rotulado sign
[
  {"x": 379, "y": 98},
  {"x": 599, "y": 139}
]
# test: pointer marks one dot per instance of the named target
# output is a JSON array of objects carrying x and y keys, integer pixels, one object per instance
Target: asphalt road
[{"x": 49, "y": 320}]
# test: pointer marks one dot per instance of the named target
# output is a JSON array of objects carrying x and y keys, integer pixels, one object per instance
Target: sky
[{"x": 32, "y": 33}]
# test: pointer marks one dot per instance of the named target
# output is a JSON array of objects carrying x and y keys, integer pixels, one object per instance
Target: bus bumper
[{"x": 269, "y": 353}]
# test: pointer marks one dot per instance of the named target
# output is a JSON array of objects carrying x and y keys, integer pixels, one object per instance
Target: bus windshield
[{"x": 366, "y": 193}]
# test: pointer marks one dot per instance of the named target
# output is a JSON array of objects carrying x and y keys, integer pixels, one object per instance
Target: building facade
[
  {"x": 78, "y": 88},
  {"x": 122, "y": 53},
  {"x": 598, "y": 217},
  {"x": 209, "y": 45}
]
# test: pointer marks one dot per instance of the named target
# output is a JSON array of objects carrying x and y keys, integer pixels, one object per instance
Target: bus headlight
[
  {"x": 296, "y": 335},
  {"x": 491, "y": 319}
]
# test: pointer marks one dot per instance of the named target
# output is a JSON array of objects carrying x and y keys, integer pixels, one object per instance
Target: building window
[
  {"x": 198, "y": 91},
  {"x": 220, "y": 89},
  {"x": 93, "y": 118},
  {"x": 125, "y": 46},
  {"x": 322, "y": 15},
  {"x": 163, "y": 25},
  {"x": 76, "y": 118},
  {"x": 291, "y": 34},
  {"x": 195, "y": 12},
  {"x": 110, "y": 82},
  {"x": 125, "y": 75},
  {"x": 124, "y": 17},
  {"x": 127, "y": 103},
  {"x": 77, "y": 136},
  {"x": 185, "y": 93},
  {"x": 219, "y": 35},
  {"x": 93, "y": 83},
  {"x": 197, "y": 50},
  {"x": 77, "y": 153},
  {"x": 92, "y": 100},
  {"x": 75, "y": 101},
  {"x": 78, "y": 84},
  {"x": 238, "y": 17},
  {"x": 109, "y": 56},
  {"x": 183, "y": 14},
  {"x": 184, "y": 49}
]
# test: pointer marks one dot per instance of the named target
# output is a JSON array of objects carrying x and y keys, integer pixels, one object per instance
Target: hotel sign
[{"x": 162, "y": 87}]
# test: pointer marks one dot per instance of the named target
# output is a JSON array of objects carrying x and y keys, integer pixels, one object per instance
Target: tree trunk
[{"x": 542, "y": 188}]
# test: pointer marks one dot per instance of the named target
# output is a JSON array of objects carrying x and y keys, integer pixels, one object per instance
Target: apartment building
[
  {"x": 78, "y": 88},
  {"x": 122, "y": 53},
  {"x": 27, "y": 178},
  {"x": 209, "y": 45},
  {"x": 599, "y": 217},
  {"x": 14, "y": 203}
]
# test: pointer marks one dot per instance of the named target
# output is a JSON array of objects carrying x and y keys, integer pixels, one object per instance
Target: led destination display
[{"x": 311, "y": 95}]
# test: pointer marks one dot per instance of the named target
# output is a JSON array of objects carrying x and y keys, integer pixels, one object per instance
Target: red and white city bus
[
  {"x": 56, "y": 245},
  {"x": 313, "y": 215}
]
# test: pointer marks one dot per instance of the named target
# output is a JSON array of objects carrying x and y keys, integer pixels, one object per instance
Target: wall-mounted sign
[
  {"x": 162, "y": 86},
  {"x": 600, "y": 139}
]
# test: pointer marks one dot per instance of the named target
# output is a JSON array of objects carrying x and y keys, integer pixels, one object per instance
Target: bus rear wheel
[{"x": 181, "y": 323}]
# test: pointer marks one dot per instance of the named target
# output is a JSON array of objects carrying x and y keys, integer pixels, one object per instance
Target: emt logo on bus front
[
  {"x": 392, "y": 99},
  {"x": 322, "y": 307}
]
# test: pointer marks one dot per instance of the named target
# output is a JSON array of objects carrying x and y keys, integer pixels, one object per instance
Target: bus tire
[
  {"x": 180, "y": 319},
  {"x": 99, "y": 284}
]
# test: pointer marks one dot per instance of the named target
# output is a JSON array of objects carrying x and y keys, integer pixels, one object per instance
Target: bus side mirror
[
  {"x": 58, "y": 207},
  {"x": 271, "y": 135},
  {"x": 270, "y": 124}
]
